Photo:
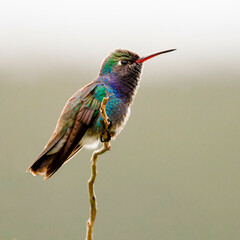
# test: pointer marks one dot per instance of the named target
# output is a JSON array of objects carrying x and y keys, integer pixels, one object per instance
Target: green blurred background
[{"x": 173, "y": 172}]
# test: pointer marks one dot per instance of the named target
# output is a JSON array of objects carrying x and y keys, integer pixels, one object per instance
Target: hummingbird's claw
[
  {"x": 105, "y": 136},
  {"x": 109, "y": 126}
]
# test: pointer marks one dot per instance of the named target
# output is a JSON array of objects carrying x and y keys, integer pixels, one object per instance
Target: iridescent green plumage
[{"x": 116, "y": 57}]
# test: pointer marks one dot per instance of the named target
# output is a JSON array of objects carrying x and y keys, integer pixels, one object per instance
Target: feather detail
[{"x": 39, "y": 165}]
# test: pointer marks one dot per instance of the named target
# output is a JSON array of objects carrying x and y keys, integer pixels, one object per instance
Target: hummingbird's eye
[{"x": 124, "y": 62}]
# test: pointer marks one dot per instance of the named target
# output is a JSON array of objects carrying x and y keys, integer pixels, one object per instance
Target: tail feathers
[
  {"x": 48, "y": 164},
  {"x": 40, "y": 167},
  {"x": 57, "y": 162},
  {"x": 41, "y": 164}
]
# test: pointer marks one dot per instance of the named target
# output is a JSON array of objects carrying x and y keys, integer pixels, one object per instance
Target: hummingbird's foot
[{"x": 105, "y": 136}]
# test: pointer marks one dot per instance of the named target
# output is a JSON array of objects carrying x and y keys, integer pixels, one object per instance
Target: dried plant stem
[{"x": 92, "y": 198}]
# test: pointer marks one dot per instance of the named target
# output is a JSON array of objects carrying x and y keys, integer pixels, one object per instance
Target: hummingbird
[{"x": 81, "y": 124}]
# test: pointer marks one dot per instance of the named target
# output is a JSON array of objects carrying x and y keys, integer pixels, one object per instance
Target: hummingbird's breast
[{"x": 118, "y": 112}]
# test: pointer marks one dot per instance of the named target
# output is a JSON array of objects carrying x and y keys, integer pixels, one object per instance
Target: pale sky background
[{"x": 53, "y": 35}]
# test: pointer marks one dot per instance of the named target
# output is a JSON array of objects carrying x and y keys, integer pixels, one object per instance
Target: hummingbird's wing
[{"x": 77, "y": 116}]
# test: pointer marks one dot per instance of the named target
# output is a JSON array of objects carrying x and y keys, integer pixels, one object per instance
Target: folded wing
[{"x": 77, "y": 116}]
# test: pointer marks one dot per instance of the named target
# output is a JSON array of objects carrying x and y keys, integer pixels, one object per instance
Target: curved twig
[{"x": 92, "y": 198}]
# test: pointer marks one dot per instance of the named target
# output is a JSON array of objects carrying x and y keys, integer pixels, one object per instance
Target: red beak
[{"x": 143, "y": 59}]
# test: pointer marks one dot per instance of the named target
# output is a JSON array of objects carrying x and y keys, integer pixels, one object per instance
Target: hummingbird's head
[{"x": 123, "y": 63}]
